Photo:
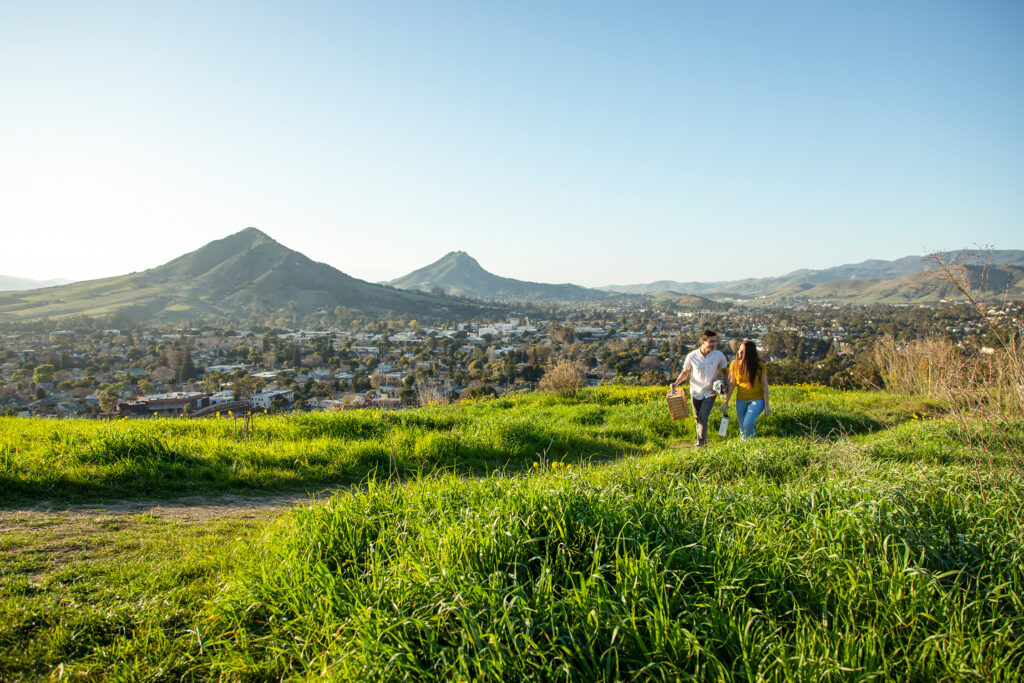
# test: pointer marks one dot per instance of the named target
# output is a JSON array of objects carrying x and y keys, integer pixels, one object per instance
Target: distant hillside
[
  {"x": 9, "y": 283},
  {"x": 860, "y": 282},
  {"x": 916, "y": 288},
  {"x": 241, "y": 274},
  {"x": 686, "y": 301},
  {"x": 459, "y": 273}
]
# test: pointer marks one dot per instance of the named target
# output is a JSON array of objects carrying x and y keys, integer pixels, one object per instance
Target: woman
[{"x": 747, "y": 378}]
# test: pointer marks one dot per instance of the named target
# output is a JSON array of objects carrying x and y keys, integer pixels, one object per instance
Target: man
[{"x": 702, "y": 367}]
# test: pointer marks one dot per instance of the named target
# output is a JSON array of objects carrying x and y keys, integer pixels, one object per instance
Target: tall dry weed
[
  {"x": 984, "y": 390},
  {"x": 927, "y": 367}
]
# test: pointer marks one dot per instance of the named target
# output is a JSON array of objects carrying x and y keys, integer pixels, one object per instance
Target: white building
[{"x": 265, "y": 398}]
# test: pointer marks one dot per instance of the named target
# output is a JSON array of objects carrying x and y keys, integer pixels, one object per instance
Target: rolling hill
[
  {"x": 459, "y": 273},
  {"x": 903, "y": 280},
  {"x": 244, "y": 273}
]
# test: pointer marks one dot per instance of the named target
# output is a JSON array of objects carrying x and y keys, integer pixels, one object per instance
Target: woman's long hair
[{"x": 750, "y": 364}]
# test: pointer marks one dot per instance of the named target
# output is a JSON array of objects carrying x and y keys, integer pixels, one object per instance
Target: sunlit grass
[
  {"x": 80, "y": 459},
  {"x": 856, "y": 539}
]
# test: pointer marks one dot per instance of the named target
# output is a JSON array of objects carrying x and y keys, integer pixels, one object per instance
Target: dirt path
[
  {"x": 185, "y": 509},
  {"x": 196, "y": 509}
]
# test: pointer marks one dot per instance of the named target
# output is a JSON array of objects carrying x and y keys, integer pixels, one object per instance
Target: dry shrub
[
  {"x": 981, "y": 388},
  {"x": 564, "y": 378},
  {"x": 928, "y": 367},
  {"x": 430, "y": 395}
]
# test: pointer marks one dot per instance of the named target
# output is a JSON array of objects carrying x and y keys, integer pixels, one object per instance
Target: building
[
  {"x": 265, "y": 399},
  {"x": 177, "y": 403}
]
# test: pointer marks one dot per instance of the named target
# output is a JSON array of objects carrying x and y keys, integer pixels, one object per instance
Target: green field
[{"x": 861, "y": 537}]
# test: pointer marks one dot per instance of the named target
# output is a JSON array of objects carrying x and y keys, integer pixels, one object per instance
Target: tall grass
[
  {"x": 853, "y": 540},
  {"x": 976, "y": 390},
  {"x": 72, "y": 460},
  {"x": 763, "y": 560}
]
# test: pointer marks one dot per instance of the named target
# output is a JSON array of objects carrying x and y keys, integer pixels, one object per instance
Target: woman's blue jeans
[{"x": 747, "y": 413}]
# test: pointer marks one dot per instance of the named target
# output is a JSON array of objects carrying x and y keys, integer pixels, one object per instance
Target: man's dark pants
[{"x": 701, "y": 412}]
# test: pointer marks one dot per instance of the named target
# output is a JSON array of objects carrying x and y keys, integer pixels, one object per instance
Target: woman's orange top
[{"x": 746, "y": 391}]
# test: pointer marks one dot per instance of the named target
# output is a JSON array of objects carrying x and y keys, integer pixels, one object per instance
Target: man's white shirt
[{"x": 704, "y": 371}]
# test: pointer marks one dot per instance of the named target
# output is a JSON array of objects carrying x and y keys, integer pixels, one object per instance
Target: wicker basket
[{"x": 678, "y": 404}]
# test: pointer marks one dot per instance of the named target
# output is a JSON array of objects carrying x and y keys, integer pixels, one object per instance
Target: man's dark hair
[{"x": 708, "y": 334}]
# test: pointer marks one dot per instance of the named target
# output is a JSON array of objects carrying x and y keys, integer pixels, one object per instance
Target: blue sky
[{"x": 584, "y": 142}]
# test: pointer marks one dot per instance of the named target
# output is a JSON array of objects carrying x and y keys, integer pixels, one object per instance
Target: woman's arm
[{"x": 764, "y": 388}]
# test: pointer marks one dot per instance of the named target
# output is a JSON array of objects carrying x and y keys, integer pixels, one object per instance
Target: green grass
[
  {"x": 855, "y": 539},
  {"x": 766, "y": 560},
  {"x": 79, "y": 460},
  {"x": 107, "y": 597}
]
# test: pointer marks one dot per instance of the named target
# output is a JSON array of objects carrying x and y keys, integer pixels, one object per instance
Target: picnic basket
[{"x": 678, "y": 405}]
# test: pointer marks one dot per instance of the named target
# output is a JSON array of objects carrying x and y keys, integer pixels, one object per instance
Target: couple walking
[{"x": 745, "y": 376}]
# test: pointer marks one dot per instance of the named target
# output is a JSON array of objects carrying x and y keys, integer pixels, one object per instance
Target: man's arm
[{"x": 683, "y": 376}]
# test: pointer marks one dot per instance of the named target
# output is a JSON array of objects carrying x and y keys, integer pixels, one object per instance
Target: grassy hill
[
  {"x": 686, "y": 301},
  {"x": 856, "y": 538},
  {"x": 459, "y": 273},
  {"x": 235, "y": 276}
]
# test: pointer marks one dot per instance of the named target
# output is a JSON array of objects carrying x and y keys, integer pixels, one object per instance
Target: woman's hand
[{"x": 767, "y": 410}]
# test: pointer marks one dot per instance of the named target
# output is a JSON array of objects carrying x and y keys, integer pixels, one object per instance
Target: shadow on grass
[
  {"x": 134, "y": 466},
  {"x": 818, "y": 421}
]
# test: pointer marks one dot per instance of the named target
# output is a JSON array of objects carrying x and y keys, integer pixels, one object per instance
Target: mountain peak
[
  {"x": 459, "y": 273},
  {"x": 458, "y": 257}
]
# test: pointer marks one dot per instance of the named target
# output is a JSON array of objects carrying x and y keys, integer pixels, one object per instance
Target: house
[
  {"x": 265, "y": 399},
  {"x": 175, "y": 403}
]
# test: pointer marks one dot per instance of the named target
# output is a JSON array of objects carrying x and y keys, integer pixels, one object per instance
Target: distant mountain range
[
  {"x": 459, "y": 273},
  {"x": 245, "y": 273},
  {"x": 9, "y": 283},
  {"x": 903, "y": 280},
  {"x": 248, "y": 273}
]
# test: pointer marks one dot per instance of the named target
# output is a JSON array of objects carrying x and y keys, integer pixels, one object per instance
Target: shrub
[{"x": 565, "y": 378}]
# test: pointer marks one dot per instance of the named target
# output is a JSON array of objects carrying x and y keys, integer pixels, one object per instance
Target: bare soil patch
[{"x": 197, "y": 509}]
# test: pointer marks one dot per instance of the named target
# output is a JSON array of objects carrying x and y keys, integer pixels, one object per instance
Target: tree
[
  {"x": 108, "y": 397},
  {"x": 186, "y": 368},
  {"x": 245, "y": 386}
]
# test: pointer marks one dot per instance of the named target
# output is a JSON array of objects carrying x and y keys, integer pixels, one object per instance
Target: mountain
[
  {"x": 861, "y": 282},
  {"x": 459, "y": 273},
  {"x": 242, "y": 274},
  {"x": 9, "y": 283},
  {"x": 1001, "y": 280}
]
